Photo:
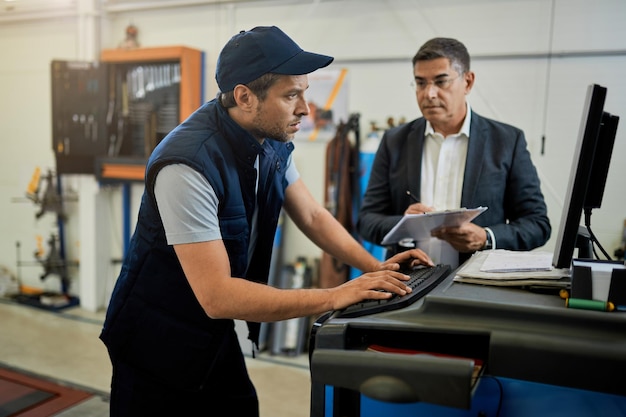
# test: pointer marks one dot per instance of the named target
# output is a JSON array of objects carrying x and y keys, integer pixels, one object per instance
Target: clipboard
[{"x": 418, "y": 226}]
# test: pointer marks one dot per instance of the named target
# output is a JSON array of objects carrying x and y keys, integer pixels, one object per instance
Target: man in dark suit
[{"x": 451, "y": 158}]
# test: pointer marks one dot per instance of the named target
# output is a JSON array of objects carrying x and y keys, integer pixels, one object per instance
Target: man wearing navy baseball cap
[
  {"x": 251, "y": 54},
  {"x": 200, "y": 254}
]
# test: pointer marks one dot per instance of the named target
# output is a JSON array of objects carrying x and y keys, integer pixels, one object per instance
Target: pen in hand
[
  {"x": 418, "y": 204},
  {"x": 410, "y": 194}
]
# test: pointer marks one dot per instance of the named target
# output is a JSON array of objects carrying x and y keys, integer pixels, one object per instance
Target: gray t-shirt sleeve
[
  {"x": 187, "y": 205},
  {"x": 292, "y": 174}
]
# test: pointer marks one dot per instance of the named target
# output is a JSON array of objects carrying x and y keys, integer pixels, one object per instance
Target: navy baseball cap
[{"x": 264, "y": 49}]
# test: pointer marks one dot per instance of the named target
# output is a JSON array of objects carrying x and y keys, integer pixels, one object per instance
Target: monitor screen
[{"x": 587, "y": 176}]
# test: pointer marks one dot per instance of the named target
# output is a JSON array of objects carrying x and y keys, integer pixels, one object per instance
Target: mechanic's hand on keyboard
[
  {"x": 377, "y": 285},
  {"x": 407, "y": 260},
  {"x": 423, "y": 280}
]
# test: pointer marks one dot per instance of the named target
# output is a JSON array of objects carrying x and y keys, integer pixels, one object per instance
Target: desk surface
[{"x": 518, "y": 334}]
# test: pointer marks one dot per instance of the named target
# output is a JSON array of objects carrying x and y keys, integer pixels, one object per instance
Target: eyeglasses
[{"x": 440, "y": 83}]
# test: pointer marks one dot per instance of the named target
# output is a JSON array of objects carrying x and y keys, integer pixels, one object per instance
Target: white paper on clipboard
[{"x": 418, "y": 226}]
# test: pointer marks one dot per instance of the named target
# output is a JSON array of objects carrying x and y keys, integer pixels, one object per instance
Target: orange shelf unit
[
  {"x": 129, "y": 171},
  {"x": 117, "y": 169},
  {"x": 190, "y": 67}
]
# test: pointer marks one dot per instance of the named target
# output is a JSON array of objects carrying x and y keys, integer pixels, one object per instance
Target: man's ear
[
  {"x": 244, "y": 97},
  {"x": 469, "y": 78}
]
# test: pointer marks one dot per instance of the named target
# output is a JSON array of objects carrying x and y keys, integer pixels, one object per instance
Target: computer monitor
[{"x": 587, "y": 180}]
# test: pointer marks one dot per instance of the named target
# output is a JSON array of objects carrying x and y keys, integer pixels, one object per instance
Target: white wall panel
[
  {"x": 510, "y": 42},
  {"x": 25, "y": 119}
]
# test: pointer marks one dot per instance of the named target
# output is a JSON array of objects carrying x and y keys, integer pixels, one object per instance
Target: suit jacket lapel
[
  {"x": 415, "y": 146},
  {"x": 473, "y": 165}
]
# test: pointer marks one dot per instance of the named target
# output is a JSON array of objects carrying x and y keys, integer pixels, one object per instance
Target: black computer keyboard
[{"x": 423, "y": 279}]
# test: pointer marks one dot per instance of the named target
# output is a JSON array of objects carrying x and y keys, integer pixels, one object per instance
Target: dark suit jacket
[{"x": 499, "y": 174}]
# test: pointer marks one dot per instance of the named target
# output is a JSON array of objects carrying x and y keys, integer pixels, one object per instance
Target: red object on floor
[{"x": 28, "y": 396}]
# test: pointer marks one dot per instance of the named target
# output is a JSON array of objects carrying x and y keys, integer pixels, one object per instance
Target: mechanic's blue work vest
[{"x": 152, "y": 304}]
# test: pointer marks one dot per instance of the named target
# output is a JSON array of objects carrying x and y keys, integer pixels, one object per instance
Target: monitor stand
[{"x": 584, "y": 243}]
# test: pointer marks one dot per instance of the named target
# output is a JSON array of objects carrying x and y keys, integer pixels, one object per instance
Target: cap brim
[{"x": 303, "y": 63}]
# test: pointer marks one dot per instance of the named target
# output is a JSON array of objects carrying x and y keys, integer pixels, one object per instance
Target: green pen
[{"x": 581, "y": 303}]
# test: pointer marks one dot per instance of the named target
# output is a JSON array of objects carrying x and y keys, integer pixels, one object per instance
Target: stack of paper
[
  {"x": 512, "y": 268},
  {"x": 501, "y": 260}
]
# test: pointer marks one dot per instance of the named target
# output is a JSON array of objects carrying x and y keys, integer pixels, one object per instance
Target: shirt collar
[{"x": 465, "y": 128}]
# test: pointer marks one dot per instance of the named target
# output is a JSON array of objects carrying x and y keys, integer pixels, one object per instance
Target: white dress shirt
[{"x": 443, "y": 168}]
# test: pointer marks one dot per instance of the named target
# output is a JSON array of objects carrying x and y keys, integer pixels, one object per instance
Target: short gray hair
[{"x": 449, "y": 48}]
